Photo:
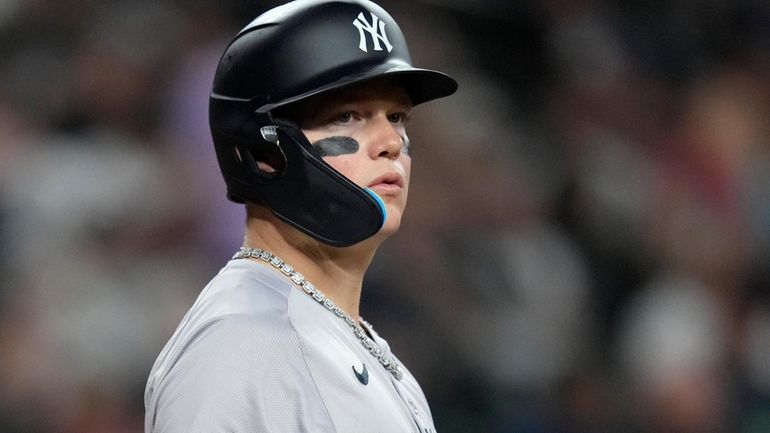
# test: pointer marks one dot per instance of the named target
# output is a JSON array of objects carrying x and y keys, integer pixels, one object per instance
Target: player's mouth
[{"x": 388, "y": 183}]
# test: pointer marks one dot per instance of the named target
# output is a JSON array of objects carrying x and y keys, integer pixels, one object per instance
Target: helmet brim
[
  {"x": 425, "y": 85},
  {"x": 422, "y": 85}
]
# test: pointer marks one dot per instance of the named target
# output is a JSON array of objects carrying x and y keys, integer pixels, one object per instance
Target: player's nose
[{"x": 386, "y": 140}]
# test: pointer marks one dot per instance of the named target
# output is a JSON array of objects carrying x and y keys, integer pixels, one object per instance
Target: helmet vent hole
[
  {"x": 237, "y": 153},
  {"x": 266, "y": 163},
  {"x": 265, "y": 167}
]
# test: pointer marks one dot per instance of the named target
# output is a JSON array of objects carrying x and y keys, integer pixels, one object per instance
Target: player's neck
[{"x": 337, "y": 272}]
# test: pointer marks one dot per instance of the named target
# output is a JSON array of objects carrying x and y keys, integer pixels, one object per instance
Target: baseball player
[{"x": 307, "y": 113}]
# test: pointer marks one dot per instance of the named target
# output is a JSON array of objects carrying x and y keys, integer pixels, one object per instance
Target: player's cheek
[
  {"x": 403, "y": 166},
  {"x": 346, "y": 165}
]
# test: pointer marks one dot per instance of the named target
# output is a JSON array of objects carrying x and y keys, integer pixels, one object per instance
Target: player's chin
[{"x": 392, "y": 220}]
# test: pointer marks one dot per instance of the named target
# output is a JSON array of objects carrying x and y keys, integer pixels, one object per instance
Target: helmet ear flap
[{"x": 324, "y": 204}]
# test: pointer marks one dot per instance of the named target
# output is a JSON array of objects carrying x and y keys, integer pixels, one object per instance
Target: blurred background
[{"x": 587, "y": 244}]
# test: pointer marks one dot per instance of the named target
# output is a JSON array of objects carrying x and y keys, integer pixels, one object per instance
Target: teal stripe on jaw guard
[{"x": 380, "y": 205}]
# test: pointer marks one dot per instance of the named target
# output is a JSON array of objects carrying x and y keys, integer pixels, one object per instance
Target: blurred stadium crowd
[{"x": 587, "y": 244}]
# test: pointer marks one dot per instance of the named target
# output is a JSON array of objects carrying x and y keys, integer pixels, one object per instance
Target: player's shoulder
[
  {"x": 244, "y": 287},
  {"x": 241, "y": 316},
  {"x": 242, "y": 308},
  {"x": 232, "y": 358}
]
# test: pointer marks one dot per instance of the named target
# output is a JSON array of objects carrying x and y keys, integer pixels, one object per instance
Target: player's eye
[
  {"x": 398, "y": 118},
  {"x": 342, "y": 118}
]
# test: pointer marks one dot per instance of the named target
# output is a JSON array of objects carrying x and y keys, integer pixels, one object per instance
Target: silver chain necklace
[{"x": 388, "y": 362}]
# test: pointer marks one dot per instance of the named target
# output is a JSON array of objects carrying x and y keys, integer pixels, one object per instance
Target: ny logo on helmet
[{"x": 376, "y": 29}]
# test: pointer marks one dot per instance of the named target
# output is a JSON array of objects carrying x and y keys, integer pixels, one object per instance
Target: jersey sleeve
[{"x": 238, "y": 374}]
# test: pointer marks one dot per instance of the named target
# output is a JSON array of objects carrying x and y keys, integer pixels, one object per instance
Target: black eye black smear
[
  {"x": 338, "y": 145},
  {"x": 335, "y": 146}
]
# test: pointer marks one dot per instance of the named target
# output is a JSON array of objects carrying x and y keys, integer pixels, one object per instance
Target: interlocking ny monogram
[{"x": 376, "y": 29}]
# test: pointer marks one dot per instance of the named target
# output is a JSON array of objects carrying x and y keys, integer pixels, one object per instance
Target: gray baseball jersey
[{"x": 256, "y": 354}]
